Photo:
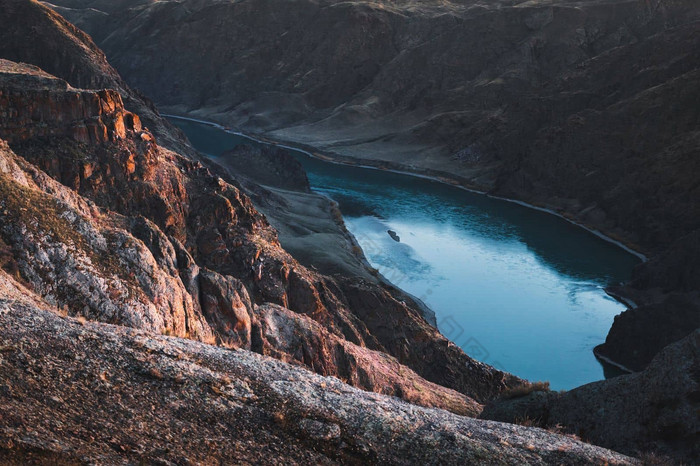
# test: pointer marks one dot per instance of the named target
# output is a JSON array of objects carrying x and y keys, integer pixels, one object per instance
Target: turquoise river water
[{"x": 515, "y": 287}]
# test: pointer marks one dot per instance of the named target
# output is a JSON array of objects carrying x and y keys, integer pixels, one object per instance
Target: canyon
[
  {"x": 139, "y": 277},
  {"x": 586, "y": 108}
]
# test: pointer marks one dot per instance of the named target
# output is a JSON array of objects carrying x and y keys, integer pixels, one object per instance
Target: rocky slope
[
  {"x": 138, "y": 235},
  {"x": 75, "y": 392},
  {"x": 589, "y": 108},
  {"x": 61, "y": 49},
  {"x": 99, "y": 221},
  {"x": 267, "y": 165},
  {"x": 657, "y": 409}
]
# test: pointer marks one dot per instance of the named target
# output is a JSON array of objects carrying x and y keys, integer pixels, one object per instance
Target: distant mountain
[{"x": 589, "y": 107}]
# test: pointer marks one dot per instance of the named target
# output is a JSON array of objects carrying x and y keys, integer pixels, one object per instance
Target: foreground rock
[
  {"x": 655, "y": 410},
  {"x": 78, "y": 392}
]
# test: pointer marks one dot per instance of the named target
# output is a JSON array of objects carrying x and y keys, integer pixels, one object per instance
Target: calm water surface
[{"x": 514, "y": 287}]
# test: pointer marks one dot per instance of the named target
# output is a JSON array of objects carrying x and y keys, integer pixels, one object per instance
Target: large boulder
[{"x": 657, "y": 410}]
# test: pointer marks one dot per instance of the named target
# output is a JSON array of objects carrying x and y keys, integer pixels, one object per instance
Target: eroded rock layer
[
  {"x": 127, "y": 232},
  {"x": 75, "y": 392}
]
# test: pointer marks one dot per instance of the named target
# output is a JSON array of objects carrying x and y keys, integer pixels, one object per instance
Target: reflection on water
[{"x": 515, "y": 287}]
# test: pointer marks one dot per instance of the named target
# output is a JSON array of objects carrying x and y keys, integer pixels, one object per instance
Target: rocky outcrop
[
  {"x": 36, "y": 105},
  {"x": 667, "y": 292},
  {"x": 298, "y": 339},
  {"x": 83, "y": 392},
  {"x": 655, "y": 410},
  {"x": 125, "y": 231},
  {"x": 656, "y": 325},
  {"x": 267, "y": 165},
  {"x": 85, "y": 261},
  {"x": 61, "y": 49},
  {"x": 402, "y": 332}
]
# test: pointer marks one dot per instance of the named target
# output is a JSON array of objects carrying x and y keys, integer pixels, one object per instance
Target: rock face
[
  {"x": 267, "y": 165},
  {"x": 667, "y": 289},
  {"x": 61, "y": 49},
  {"x": 125, "y": 231},
  {"x": 31, "y": 96},
  {"x": 75, "y": 392},
  {"x": 298, "y": 339},
  {"x": 587, "y": 108},
  {"x": 140, "y": 236},
  {"x": 656, "y": 409},
  {"x": 656, "y": 325}
]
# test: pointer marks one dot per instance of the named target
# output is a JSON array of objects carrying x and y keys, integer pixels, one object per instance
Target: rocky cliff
[
  {"x": 76, "y": 392},
  {"x": 125, "y": 231},
  {"x": 588, "y": 108},
  {"x": 656, "y": 409},
  {"x": 61, "y": 49},
  {"x": 110, "y": 242}
]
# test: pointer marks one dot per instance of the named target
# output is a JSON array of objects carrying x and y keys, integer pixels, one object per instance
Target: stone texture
[
  {"x": 298, "y": 339},
  {"x": 267, "y": 165},
  {"x": 83, "y": 392},
  {"x": 654, "y": 410},
  {"x": 125, "y": 231}
]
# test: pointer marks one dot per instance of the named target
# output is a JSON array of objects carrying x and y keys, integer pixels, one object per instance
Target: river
[{"x": 515, "y": 287}]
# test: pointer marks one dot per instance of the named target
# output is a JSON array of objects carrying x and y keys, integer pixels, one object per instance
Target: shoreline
[
  {"x": 427, "y": 313},
  {"x": 610, "y": 361},
  {"x": 444, "y": 180},
  {"x": 431, "y": 316}
]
